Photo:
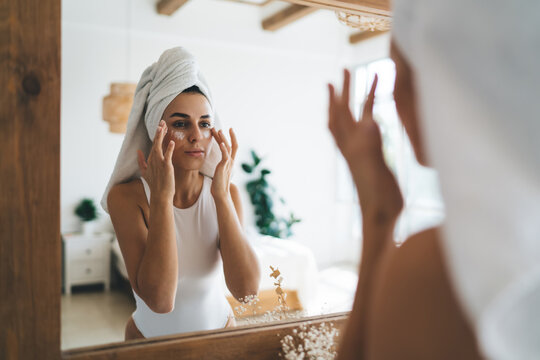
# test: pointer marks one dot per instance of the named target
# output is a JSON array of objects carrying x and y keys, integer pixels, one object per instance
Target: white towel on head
[
  {"x": 476, "y": 71},
  {"x": 175, "y": 71}
]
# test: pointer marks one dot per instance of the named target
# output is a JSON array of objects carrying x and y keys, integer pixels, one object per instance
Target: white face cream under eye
[
  {"x": 177, "y": 129},
  {"x": 206, "y": 126},
  {"x": 179, "y": 134},
  {"x": 206, "y": 133},
  {"x": 180, "y": 127}
]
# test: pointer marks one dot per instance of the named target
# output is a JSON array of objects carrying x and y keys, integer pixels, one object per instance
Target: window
[{"x": 419, "y": 185}]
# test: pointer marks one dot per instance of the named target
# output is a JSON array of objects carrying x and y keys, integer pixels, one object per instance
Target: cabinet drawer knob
[
  {"x": 88, "y": 270},
  {"x": 88, "y": 251}
]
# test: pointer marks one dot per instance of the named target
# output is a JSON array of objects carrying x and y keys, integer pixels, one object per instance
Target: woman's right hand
[{"x": 158, "y": 170}]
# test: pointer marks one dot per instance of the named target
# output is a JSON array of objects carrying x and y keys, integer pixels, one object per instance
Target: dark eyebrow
[
  {"x": 186, "y": 116},
  {"x": 180, "y": 115}
]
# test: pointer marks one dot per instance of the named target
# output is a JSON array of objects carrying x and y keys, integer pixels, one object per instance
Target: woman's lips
[{"x": 197, "y": 153}]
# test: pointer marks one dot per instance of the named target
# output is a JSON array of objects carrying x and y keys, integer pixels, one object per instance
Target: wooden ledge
[{"x": 260, "y": 341}]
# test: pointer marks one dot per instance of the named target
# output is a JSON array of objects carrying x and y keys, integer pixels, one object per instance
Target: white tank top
[{"x": 200, "y": 302}]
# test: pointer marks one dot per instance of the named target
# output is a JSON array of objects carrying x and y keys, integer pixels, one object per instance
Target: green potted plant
[
  {"x": 261, "y": 194},
  {"x": 87, "y": 213}
]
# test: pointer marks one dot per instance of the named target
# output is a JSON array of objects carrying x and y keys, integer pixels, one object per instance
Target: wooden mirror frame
[{"x": 30, "y": 248}]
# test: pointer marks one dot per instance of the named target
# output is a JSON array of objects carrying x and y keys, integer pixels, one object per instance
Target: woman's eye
[
  {"x": 206, "y": 124},
  {"x": 179, "y": 124}
]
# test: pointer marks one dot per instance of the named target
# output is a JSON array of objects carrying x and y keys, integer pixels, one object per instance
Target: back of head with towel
[
  {"x": 474, "y": 68},
  {"x": 477, "y": 75}
]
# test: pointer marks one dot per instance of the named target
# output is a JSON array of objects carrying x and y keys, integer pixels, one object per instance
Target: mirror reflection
[{"x": 281, "y": 221}]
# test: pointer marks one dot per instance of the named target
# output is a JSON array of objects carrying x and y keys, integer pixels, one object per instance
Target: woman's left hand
[
  {"x": 222, "y": 176},
  {"x": 361, "y": 145}
]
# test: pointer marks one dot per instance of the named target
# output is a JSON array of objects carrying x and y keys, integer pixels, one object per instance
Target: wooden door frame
[
  {"x": 30, "y": 247},
  {"x": 30, "y": 179}
]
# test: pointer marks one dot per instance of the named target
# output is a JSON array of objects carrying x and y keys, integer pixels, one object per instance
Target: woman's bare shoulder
[
  {"x": 128, "y": 192},
  {"x": 423, "y": 243},
  {"x": 416, "y": 306}
]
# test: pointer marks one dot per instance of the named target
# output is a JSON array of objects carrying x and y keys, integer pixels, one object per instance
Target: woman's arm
[
  {"x": 240, "y": 265},
  {"x": 405, "y": 307},
  {"x": 149, "y": 252},
  {"x": 414, "y": 312},
  {"x": 380, "y": 201},
  {"x": 378, "y": 221},
  {"x": 157, "y": 276}
]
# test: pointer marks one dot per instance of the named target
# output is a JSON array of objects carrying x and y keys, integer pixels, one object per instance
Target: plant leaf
[
  {"x": 256, "y": 158},
  {"x": 247, "y": 168}
]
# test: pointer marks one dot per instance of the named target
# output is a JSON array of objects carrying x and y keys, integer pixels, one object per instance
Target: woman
[
  {"x": 174, "y": 222},
  {"x": 405, "y": 307}
]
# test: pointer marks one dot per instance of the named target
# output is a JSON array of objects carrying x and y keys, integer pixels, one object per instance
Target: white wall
[
  {"x": 369, "y": 50},
  {"x": 271, "y": 87}
]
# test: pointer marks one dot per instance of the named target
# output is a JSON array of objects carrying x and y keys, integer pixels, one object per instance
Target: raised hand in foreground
[{"x": 361, "y": 145}]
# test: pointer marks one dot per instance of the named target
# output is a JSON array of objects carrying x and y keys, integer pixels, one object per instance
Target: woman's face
[
  {"x": 405, "y": 97},
  {"x": 189, "y": 120}
]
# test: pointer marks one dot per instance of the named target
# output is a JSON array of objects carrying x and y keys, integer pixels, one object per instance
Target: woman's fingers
[
  {"x": 224, "y": 153},
  {"x": 367, "y": 113},
  {"x": 346, "y": 88},
  {"x": 331, "y": 108},
  {"x": 142, "y": 162},
  {"x": 214, "y": 133},
  {"x": 234, "y": 143},
  {"x": 221, "y": 139},
  {"x": 217, "y": 135},
  {"x": 158, "y": 139},
  {"x": 169, "y": 151},
  {"x": 340, "y": 119},
  {"x": 156, "y": 135},
  {"x": 225, "y": 141}
]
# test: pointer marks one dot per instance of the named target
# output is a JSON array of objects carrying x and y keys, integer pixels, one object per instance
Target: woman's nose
[{"x": 195, "y": 135}]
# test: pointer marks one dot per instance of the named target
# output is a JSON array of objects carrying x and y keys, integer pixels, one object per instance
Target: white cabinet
[{"x": 87, "y": 259}]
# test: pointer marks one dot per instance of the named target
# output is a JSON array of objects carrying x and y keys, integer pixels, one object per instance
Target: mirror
[{"x": 270, "y": 86}]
